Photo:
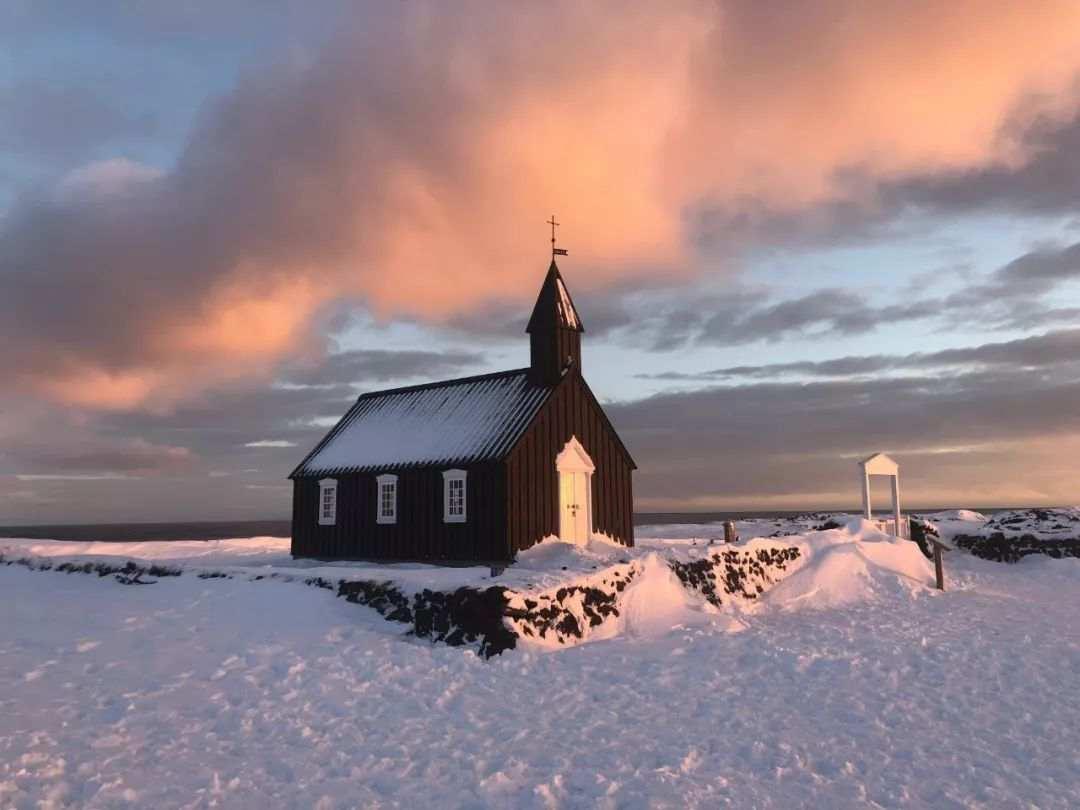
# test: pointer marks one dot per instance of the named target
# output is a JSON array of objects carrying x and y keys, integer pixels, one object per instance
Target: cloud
[
  {"x": 792, "y": 445},
  {"x": 985, "y": 425},
  {"x": 93, "y": 470},
  {"x": 1047, "y": 182},
  {"x": 411, "y": 162},
  {"x": 824, "y": 312},
  {"x": 364, "y": 366},
  {"x": 1012, "y": 297},
  {"x": 1038, "y": 352},
  {"x": 72, "y": 477},
  {"x": 105, "y": 179},
  {"x": 45, "y": 120},
  {"x": 71, "y": 450},
  {"x": 1024, "y": 279},
  {"x": 164, "y": 25},
  {"x": 660, "y": 319}
]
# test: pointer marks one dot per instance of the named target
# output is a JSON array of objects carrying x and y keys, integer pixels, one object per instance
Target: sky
[{"x": 798, "y": 234}]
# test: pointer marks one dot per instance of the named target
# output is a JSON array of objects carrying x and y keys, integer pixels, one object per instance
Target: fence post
[{"x": 939, "y": 569}]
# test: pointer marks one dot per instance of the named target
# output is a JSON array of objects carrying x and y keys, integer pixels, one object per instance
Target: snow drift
[
  {"x": 658, "y": 602},
  {"x": 858, "y": 563}
]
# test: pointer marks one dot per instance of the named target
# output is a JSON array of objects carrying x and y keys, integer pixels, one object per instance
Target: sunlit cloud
[
  {"x": 105, "y": 476},
  {"x": 409, "y": 165},
  {"x": 368, "y": 209}
]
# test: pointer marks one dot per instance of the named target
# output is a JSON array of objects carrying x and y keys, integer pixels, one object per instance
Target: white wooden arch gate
[{"x": 881, "y": 465}]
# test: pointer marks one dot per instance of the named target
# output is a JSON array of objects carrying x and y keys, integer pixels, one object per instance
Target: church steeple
[{"x": 554, "y": 331}]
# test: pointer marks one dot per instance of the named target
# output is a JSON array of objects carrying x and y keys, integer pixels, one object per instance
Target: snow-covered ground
[
  {"x": 1044, "y": 524},
  {"x": 849, "y": 682},
  {"x": 543, "y": 567}
]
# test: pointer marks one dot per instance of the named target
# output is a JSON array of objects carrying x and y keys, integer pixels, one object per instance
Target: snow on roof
[
  {"x": 554, "y": 307},
  {"x": 879, "y": 464},
  {"x": 447, "y": 423},
  {"x": 567, "y": 312}
]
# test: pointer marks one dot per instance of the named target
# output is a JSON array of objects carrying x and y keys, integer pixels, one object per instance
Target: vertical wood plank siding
[
  {"x": 511, "y": 505},
  {"x": 533, "y": 481},
  {"x": 550, "y": 351},
  {"x": 420, "y": 533}
]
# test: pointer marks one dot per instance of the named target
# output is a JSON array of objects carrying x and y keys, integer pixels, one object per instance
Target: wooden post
[
  {"x": 867, "y": 512},
  {"x": 939, "y": 569},
  {"x": 896, "y": 505},
  {"x": 729, "y": 531}
]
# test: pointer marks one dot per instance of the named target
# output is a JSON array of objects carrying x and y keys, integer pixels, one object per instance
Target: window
[
  {"x": 327, "y": 502},
  {"x": 454, "y": 496},
  {"x": 387, "y": 502}
]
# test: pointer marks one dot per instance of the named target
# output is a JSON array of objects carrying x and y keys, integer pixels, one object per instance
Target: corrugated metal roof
[{"x": 447, "y": 423}]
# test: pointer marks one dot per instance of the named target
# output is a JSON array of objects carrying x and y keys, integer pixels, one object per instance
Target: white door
[
  {"x": 574, "y": 506},
  {"x": 575, "y": 492}
]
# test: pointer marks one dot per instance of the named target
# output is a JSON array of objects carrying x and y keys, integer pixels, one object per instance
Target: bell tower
[{"x": 554, "y": 331}]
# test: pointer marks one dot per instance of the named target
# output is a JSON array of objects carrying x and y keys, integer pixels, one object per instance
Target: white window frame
[
  {"x": 386, "y": 480},
  {"x": 455, "y": 475},
  {"x": 324, "y": 516}
]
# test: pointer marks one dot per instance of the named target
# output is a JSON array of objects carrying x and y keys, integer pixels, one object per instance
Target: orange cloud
[
  {"x": 626, "y": 125},
  {"x": 237, "y": 336},
  {"x": 794, "y": 93},
  {"x": 413, "y": 163},
  {"x": 94, "y": 387}
]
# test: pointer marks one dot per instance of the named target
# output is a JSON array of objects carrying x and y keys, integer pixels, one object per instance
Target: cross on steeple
[{"x": 554, "y": 250}]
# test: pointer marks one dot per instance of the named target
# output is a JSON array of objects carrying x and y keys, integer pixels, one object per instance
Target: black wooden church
[{"x": 474, "y": 469}]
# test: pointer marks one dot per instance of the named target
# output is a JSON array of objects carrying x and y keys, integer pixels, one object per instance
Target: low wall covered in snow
[
  {"x": 557, "y": 595},
  {"x": 570, "y": 613},
  {"x": 1000, "y": 548},
  {"x": 741, "y": 574},
  {"x": 1012, "y": 534}
]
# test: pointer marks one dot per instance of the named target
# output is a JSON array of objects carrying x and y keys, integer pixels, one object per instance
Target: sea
[{"x": 218, "y": 530}]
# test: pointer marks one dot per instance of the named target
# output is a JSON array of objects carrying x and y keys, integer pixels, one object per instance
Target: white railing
[{"x": 889, "y": 527}]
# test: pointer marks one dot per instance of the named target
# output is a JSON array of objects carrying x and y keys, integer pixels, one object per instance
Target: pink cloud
[{"x": 411, "y": 165}]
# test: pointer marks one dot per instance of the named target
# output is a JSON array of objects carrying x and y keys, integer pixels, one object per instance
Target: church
[{"x": 471, "y": 470}]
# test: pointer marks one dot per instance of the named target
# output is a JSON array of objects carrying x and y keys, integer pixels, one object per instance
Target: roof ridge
[{"x": 441, "y": 383}]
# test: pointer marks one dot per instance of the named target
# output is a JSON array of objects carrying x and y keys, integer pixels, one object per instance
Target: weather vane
[{"x": 555, "y": 251}]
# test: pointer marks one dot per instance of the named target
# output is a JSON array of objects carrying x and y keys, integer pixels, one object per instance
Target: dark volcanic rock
[
  {"x": 464, "y": 616},
  {"x": 999, "y": 548},
  {"x": 572, "y": 609},
  {"x": 738, "y": 572},
  {"x": 921, "y": 531}
]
